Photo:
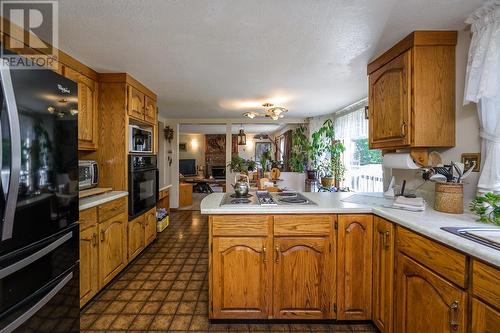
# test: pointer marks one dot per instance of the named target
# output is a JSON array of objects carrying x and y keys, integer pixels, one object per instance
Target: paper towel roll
[{"x": 399, "y": 161}]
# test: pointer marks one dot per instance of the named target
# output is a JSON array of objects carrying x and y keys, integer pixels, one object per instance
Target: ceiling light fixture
[{"x": 271, "y": 111}]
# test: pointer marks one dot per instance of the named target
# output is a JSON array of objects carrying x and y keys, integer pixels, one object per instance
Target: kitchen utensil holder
[{"x": 449, "y": 198}]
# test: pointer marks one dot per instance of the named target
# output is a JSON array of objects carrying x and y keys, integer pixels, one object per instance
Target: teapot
[{"x": 241, "y": 187}]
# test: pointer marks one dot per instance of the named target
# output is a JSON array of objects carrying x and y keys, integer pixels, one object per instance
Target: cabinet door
[
  {"x": 89, "y": 279},
  {"x": 485, "y": 319},
  {"x": 112, "y": 247},
  {"x": 303, "y": 278},
  {"x": 425, "y": 302},
  {"x": 241, "y": 277},
  {"x": 390, "y": 104},
  {"x": 150, "y": 226},
  {"x": 135, "y": 237},
  {"x": 135, "y": 103},
  {"x": 383, "y": 274},
  {"x": 87, "y": 110},
  {"x": 150, "y": 110},
  {"x": 354, "y": 267}
]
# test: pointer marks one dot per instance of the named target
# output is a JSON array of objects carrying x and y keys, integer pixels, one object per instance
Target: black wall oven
[{"x": 142, "y": 184}]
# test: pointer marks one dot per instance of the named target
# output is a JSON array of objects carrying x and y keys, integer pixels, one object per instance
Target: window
[{"x": 363, "y": 166}]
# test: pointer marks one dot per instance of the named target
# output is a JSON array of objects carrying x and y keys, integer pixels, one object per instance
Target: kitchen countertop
[
  {"x": 165, "y": 187},
  {"x": 427, "y": 223},
  {"x": 99, "y": 199}
]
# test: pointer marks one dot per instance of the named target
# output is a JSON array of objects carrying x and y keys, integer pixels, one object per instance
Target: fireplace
[{"x": 218, "y": 172}]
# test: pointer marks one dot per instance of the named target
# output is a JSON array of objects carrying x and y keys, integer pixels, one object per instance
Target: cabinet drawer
[
  {"x": 240, "y": 225},
  {"x": 447, "y": 262},
  {"x": 88, "y": 217},
  {"x": 485, "y": 281},
  {"x": 112, "y": 208},
  {"x": 304, "y": 225}
]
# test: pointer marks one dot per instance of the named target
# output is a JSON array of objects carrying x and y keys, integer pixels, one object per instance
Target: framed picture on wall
[
  {"x": 183, "y": 146},
  {"x": 260, "y": 148}
]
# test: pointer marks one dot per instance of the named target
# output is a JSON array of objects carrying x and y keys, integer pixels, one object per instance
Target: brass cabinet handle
[
  {"x": 454, "y": 324},
  {"x": 264, "y": 254},
  {"x": 278, "y": 253},
  {"x": 94, "y": 239},
  {"x": 403, "y": 129},
  {"x": 386, "y": 240},
  {"x": 102, "y": 235}
]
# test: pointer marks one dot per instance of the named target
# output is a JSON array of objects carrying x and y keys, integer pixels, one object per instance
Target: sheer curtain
[
  {"x": 363, "y": 174},
  {"x": 482, "y": 86}
]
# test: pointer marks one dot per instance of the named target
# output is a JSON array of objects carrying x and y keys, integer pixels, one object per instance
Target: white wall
[
  {"x": 195, "y": 144},
  {"x": 467, "y": 129}
]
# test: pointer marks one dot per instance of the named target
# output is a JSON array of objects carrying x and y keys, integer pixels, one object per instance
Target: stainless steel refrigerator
[{"x": 39, "y": 277}]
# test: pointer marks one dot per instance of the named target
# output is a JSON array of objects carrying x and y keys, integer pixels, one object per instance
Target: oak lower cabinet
[
  {"x": 354, "y": 267},
  {"x": 241, "y": 277},
  {"x": 135, "y": 237},
  {"x": 89, "y": 261},
  {"x": 112, "y": 247},
  {"x": 485, "y": 318},
  {"x": 149, "y": 226},
  {"x": 302, "y": 278},
  {"x": 383, "y": 274},
  {"x": 426, "y": 302}
]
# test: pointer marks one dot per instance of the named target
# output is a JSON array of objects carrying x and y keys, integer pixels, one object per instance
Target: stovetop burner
[
  {"x": 294, "y": 200},
  {"x": 239, "y": 197},
  {"x": 240, "y": 201},
  {"x": 287, "y": 194}
]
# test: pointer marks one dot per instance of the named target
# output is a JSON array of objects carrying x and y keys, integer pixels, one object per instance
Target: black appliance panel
[
  {"x": 143, "y": 184},
  {"x": 46, "y": 157},
  {"x": 30, "y": 274}
]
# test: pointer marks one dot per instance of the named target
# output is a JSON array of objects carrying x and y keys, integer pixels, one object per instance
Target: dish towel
[{"x": 413, "y": 203}]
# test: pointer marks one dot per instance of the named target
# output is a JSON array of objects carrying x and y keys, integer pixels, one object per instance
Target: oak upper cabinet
[
  {"x": 89, "y": 256},
  {"x": 425, "y": 302},
  {"x": 150, "y": 113},
  {"x": 354, "y": 263},
  {"x": 88, "y": 135},
  {"x": 149, "y": 226},
  {"x": 383, "y": 274},
  {"x": 112, "y": 247},
  {"x": 135, "y": 236},
  {"x": 302, "y": 278},
  {"x": 390, "y": 103},
  {"x": 135, "y": 103},
  {"x": 411, "y": 93},
  {"x": 241, "y": 277},
  {"x": 486, "y": 298}
]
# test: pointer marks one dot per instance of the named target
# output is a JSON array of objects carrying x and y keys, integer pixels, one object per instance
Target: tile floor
[{"x": 165, "y": 290}]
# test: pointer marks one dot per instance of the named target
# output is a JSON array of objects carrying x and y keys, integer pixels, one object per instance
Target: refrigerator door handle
[
  {"x": 15, "y": 154},
  {"x": 35, "y": 256},
  {"x": 34, "y": 309}
]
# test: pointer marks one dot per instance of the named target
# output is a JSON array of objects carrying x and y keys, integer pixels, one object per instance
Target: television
[{"x": 187, "y": 167}]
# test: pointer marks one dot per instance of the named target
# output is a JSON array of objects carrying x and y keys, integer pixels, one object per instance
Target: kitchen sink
[{"x": 489, "y": 236}]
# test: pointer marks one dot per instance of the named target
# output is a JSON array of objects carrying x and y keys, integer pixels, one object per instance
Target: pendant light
[{"x": 242, "y": 138}]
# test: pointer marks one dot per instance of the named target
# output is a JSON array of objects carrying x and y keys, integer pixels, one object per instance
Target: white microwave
[{"x": 140, "y": 139}]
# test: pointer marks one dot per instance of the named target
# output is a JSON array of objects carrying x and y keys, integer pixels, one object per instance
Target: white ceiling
[
  {"x": 221, "y": 128},
  {"x": 220, "y": 58}
]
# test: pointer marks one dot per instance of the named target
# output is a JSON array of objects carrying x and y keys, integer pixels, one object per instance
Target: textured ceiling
[
  {"x": 221, "y": 129},
  {"x": 220, "y": 58}
]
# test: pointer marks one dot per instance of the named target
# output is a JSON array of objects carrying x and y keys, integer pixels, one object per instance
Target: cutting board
[{"x": 93, "y": 191}]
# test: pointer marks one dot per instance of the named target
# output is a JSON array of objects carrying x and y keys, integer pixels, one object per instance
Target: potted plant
[
  {"x": 300, "y": 148},
  {"x": 487, "y": 207},
  {"x": 325, "y": 154},
  {"x": 264, "y": 159},
  {"x": 238, "y": 164}
]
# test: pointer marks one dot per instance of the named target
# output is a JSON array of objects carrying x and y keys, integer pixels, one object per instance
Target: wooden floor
[{"x": 165, "y": 290}]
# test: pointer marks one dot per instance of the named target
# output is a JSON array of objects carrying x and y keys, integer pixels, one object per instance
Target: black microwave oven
[{"x": 140, "y": 139}]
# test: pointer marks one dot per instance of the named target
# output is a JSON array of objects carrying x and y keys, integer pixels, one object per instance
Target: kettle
[{"x": 241, "y": 187}]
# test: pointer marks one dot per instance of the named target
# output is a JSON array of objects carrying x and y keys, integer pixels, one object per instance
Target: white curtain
[{"x": 482, "y": 86}]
